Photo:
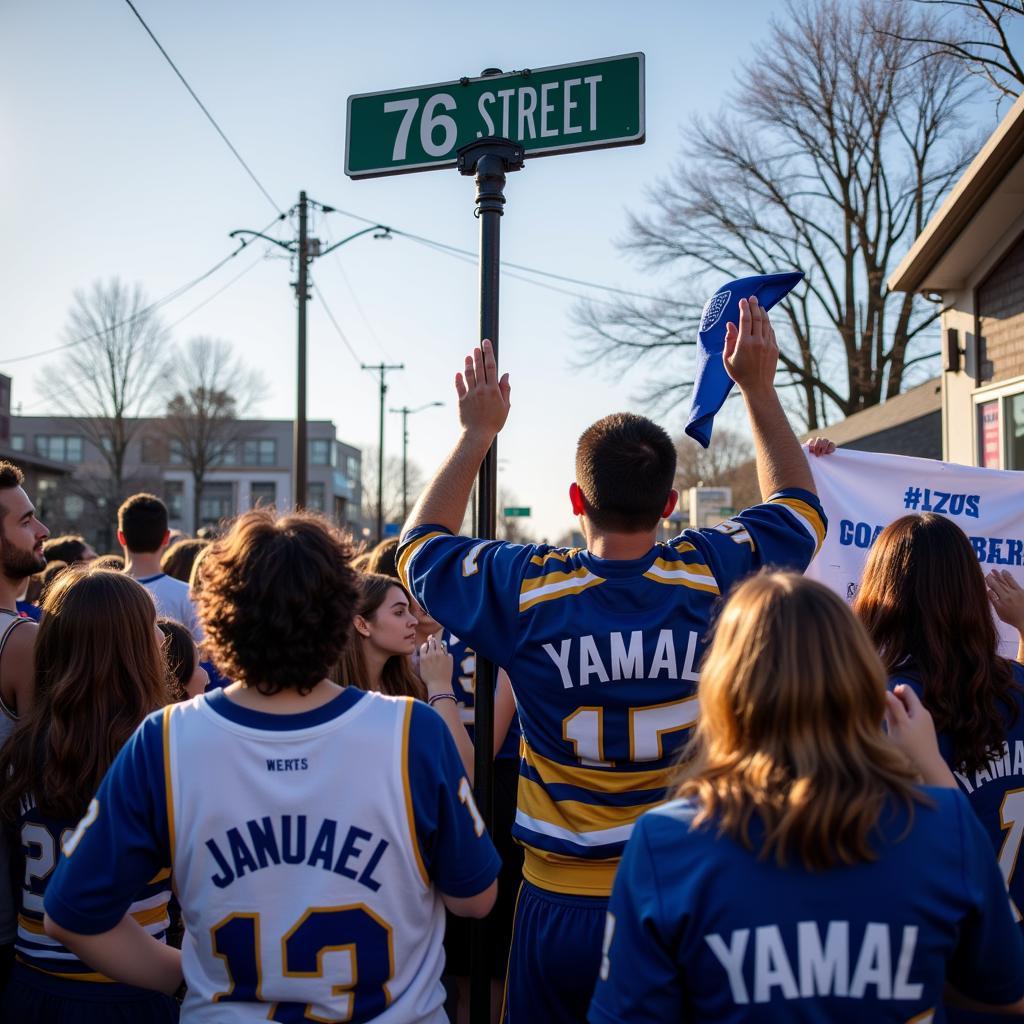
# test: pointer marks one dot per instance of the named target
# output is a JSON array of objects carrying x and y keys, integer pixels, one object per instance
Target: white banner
[{"x": 862, "y": 492}]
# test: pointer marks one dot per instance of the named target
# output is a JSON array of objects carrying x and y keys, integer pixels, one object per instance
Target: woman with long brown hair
[
  {"x": 379, "y": 658},
  {"x": 99, "y": 670},
  {"x": 802, "y": 874},
  {"x": 924, "y": 600}
]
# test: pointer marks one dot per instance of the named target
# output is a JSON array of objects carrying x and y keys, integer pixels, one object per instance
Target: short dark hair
[
  {"x": 625, "y": 467},
  {"x": 10, "y": 477},
  {"x": 143, "y": 521},
  {"x": 179, "y": 558},
  {"x": 277, "y": 599},
  {"x": 382, "y": 558},
  {"x": 69, "y": 548}
]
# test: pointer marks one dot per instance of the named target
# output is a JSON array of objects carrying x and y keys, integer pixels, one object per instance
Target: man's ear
[
  {"x": 361, "y": 625},
  {"x": 167, "y": 539},
  {"x": 579, "y": 506},
  {"x": 121, "y": 540},
  {"x": 670, "y": 505}
]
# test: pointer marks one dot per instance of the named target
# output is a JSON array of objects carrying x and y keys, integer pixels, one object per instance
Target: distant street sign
[
  {"x": 590, "y": 105},
  {"x": 513, "y": 512}
]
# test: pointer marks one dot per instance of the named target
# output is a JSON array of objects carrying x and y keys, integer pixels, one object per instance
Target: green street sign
[
  {"x": 590, "y": 105},
  {"x": 513, "y": 512}
]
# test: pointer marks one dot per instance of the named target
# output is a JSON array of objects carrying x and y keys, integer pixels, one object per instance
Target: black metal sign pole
[{"x": 490, "y": 159}]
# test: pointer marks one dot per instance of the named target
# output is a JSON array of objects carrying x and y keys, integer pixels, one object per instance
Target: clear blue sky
[{"x": 110, "y": 169}]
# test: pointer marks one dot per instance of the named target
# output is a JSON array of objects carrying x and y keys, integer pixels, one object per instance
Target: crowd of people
[{"x": 238, "y": 770}]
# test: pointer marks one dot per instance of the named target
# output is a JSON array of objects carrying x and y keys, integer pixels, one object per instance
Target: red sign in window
[{"x": 988, "y": 421}]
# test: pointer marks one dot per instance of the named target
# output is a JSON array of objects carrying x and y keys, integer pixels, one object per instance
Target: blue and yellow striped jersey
[
  {"x": 603, "y": 657},
  {"x": 42, "y": 839}
]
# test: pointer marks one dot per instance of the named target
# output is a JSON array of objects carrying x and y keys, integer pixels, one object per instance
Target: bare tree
[
  {"x": 107, "y": 380},
  {"x": 392, "y": 486},
  {"x": 830, "y": 158},
  {"x": 978, "y": 33},
  {"x": 696, "y": 465},
  {"x": 209, "y": 391}
]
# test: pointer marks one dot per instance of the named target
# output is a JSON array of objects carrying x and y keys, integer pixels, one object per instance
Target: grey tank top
[{"x": 8, "y": 721}]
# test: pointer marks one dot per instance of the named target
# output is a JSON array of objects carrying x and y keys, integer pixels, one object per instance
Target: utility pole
[
  {"x": 406, "y": 413},
  {"x": 306, "y": 249},
  {"x": 300, "y": 450},
  {"x": 382, "y": 369}
]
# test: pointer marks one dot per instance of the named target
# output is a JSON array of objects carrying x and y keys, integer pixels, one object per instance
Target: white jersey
[
  {"x": 308, "y": 870},
  {"x": 173, "y": 600}
]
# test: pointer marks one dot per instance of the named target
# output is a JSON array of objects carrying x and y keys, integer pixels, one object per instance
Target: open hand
[
  {"x": 436, "y": 666},
  {"x": 483, "y": 398},
  {"x": 751, "y": 351},
  {"x": 912, "y": 730},
  {"x": 1007, "y": 597}
]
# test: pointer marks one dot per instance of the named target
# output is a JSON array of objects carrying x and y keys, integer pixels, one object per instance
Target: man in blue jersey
[{"x": 602, "y": 645}]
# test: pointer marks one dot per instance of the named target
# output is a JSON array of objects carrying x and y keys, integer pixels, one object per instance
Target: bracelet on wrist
[{"x": 442, "y": 696}]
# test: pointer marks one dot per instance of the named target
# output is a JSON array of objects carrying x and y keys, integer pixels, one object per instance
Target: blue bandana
[{"x": 711, "y": 384}]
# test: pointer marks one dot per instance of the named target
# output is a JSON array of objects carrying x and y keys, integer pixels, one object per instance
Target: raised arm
[
  {"x": 751, "y": 355},
  {"x": 483, "y": 409}
]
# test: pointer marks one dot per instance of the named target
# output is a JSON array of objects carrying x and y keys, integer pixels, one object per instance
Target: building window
[
  {"x": 225, "y": 455},
  {"x": 152, "y": 450},
  {"x": 60, "y": 449},
  {"x": 216, "y": 502},
  {"x": 259, "y": 451},
  {"x": 1015, "y": 431},
  {"x": 17, "y": 442},
  {"x": 175, "y": 453},
  {"x": 262, "y": 494},
  {"x": 353, "y": 469},
  {"x": 74, "y": 506},
  {"x": 174, "y": 498},
  {"x": 988, "y": 434},
  {"x": 315, "y": 496},
  {"x": 320, "y": 452}
]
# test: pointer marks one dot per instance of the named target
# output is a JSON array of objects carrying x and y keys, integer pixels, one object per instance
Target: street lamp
[
  {"x": 406, "y": 413},
  {"x": 306, "y": 249}
]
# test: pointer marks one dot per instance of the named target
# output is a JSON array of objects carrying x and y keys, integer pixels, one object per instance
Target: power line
[
  {"x": 202, "y": 107},
  {"x": 337, "y": 327},
  {"x": 444, "y": 246},
  {"x": 195, "y": 309},
  {"x": 152, "y": 307}
]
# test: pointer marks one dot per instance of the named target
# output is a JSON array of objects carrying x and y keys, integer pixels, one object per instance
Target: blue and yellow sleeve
[
  {"x": 453, "y": 848},
  {"x": 122, "y": 842},
  {"x": 470, "y": 586},
  {"x": 785, "y": 532},
  {"x": 988, "y": 964},
  {"x": 638, "y": 980}
]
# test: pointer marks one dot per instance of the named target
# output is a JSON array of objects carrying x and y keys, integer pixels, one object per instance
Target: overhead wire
[
  {"x": 505, "y": 263},
  {"x": 202, "y": 107},
  {"x": 337, "y": 326},
  {"x": 171, "y": 296}
]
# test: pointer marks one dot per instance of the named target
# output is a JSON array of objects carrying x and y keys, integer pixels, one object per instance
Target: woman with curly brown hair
[
  {"x": 802, "y": 874},
  {"x": 314, "y": 868},
  {"x": 99, "y": 671}
]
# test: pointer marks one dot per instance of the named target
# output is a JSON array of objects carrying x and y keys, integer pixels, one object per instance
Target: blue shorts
[
  {"x": 555, "y": 957},
  {"x": 32, "y": 997}
]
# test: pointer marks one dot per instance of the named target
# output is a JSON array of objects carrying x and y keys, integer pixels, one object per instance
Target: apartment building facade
[{"x": 255, "y": 469}]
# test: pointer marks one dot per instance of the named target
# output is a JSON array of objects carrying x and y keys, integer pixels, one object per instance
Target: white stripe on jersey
[
  {"x": 555, "y": 588},
  {"x": 599, "y": 837}
]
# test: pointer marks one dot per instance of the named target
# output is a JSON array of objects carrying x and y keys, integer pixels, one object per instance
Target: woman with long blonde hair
[{"x": 802, "y": 873}]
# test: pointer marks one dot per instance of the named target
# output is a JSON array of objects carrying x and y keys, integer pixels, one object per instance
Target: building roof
[
  {"x": 983, "y": 203},
  {"x": 36, "y": 462},
  {"x": 926, "y": 398}
]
